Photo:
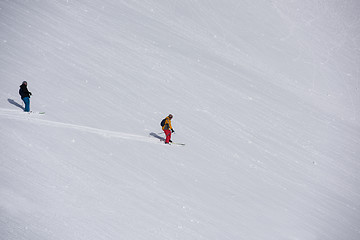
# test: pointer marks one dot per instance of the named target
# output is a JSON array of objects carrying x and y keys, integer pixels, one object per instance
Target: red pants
[{"x": 168, "y": 135}]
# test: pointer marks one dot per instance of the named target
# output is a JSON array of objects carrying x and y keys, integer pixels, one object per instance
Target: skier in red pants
[{"x": 167, "y": 128}]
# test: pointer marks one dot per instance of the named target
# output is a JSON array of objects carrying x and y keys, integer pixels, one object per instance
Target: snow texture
[{"x": 265, "y": 94}]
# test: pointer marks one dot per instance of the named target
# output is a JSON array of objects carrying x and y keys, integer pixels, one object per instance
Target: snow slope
[{"x": 265, "y": 94}]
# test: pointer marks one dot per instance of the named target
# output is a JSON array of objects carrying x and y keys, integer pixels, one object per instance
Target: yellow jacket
[{"x": 167, "y": 125}]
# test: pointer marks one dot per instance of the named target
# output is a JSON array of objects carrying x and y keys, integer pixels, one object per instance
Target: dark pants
[{"x": 27, "y": 104}]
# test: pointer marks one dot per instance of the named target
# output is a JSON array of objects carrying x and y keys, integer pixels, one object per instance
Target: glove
[
  {"x": 172, "y": 130},
  {"x": 30, "y": 93}
]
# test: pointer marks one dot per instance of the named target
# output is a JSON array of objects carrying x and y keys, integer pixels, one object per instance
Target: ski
[
  {"x": 180, "y": 144},
  {"x": 162, "y": 139},
  {"x": 31, "y": 112}
]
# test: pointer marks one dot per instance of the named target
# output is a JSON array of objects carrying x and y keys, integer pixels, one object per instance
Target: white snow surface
[{"x": 265, "y": 94}]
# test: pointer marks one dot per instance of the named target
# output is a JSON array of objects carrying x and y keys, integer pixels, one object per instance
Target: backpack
[{"x": 163, "y": 122}]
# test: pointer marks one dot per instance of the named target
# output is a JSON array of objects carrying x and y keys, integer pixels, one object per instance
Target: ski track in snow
[{"x": 33, "y": 118}]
